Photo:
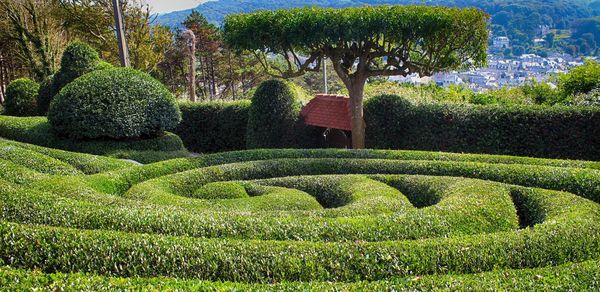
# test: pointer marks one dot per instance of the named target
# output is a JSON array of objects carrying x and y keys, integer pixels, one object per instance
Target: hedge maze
[{"x": 297, "y": 219}]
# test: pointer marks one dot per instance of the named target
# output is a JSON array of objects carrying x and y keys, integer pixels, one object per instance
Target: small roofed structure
[{"x": 331, "y": 114}]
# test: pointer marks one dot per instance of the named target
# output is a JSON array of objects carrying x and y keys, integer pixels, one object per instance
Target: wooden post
[
  {"x": 2, "y": 79},
  {"x": 191, "y": 43},
  {"x": 123, "y": 52},
  {"x": 325, "y": 75}
]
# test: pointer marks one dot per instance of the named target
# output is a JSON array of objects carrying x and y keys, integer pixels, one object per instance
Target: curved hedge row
[
  {"x": 578, "y": 276},
  {"x": 371, "y": 219},
  {"x": 37, "y": 130}
]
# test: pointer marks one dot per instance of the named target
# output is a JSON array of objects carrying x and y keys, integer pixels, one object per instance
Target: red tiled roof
[{"x": 328, "y": 111}]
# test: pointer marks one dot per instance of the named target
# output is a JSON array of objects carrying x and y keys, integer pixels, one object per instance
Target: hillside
[
  {"x": 518, "y": 19},
  {"x": 559, "y": 11}
]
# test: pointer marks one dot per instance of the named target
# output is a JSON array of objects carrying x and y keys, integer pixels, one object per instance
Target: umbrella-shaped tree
[{"x": 362, "y": 42}]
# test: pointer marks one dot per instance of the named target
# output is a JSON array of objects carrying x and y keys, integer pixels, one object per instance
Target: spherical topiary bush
[
  {"x": 113, "y": 103},
  {"x": 21, "y": 97},
  {"x": 102, "y": 65},
  {"x": 221, "y": 190},
  {"x": 78, "y": 59},
  {"x": 273, "y": 115}
]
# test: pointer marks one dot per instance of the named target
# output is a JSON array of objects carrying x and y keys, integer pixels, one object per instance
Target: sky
[{"x": 163, "y": 6}]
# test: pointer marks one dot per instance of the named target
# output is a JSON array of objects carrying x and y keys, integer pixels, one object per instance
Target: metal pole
[
  {"x": 123, "y": 52},
  {"x": 325, "y": 75}
]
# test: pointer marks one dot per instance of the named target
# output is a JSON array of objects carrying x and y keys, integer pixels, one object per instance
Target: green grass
[{"x": 297, "y": 220}]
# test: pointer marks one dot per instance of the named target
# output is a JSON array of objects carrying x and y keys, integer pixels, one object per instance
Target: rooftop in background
[{"x": 328, "y": 111}]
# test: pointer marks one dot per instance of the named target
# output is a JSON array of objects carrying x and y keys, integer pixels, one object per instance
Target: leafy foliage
[
  {"x": 221, "y": 190},
  {"x": 559, "y": 132},
  {"x": 21, "y": 97},
  {"x": 415, "y": 39},
  {"x": 114, "y": 103},
  {"x": 273, "y": 116},
  {"x": 582, "y": 79},
  {"x": 78, "y": 59},
  {"x": 213, "y": 126},
  {"x": 37, "y": 130},
  {"x": 346, "y": 217},
  {"x": 577, "y": 276},
  {"x": 44, "y": 96},
  {"x": 34, "y": 36},
  {"x": 592, "y": 98}
]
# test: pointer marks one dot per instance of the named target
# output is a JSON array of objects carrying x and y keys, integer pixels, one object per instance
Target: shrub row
[
  {"x": 172, "y": 189},
  {"x": 463, "y": 209},
  {"x": 37, "y": 130},
  {"x": 583, "y": 276},
  {"x": 557, "y": 132},
  {"x": 395, "y": 123},
  {"x": 572, "y": 236},
  {"x": 271, "y": 120},
  {"x": 52, "y": 161},
  {"x": 120, "y": 181},
  {"x": 462, "y": 225},
  {"x": 213, "y": 126}
]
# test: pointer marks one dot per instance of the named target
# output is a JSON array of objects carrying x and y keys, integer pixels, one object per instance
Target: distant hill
[
  {"x": 518, "y": 19},
  {"x": 556, "y": 10}
]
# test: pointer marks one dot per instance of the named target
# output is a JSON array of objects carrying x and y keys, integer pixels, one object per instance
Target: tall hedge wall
[
  {"x": 213, "y": 126},
  {"x": 555, "y": 132}
]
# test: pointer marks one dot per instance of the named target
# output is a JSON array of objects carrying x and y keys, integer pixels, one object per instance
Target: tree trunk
[
  {"x": 356, "y": 91},
  {"x": 2, "y": 78},
  {"x": 191, "y": 39}
]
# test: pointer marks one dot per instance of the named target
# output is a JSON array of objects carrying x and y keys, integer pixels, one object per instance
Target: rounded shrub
[
  {"x": 113, "y": 103},
  {"x": 78, "y": 59},
  {"x": 102, "y": 65},
  {"x": 21, "y": 97},
  {"x": 221, "y": 190},
  {"x": 273, "y": 115}
]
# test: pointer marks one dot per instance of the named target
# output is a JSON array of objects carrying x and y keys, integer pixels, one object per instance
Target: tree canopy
[
  {"x": 412, "y": 39},
  {"x": 363, "y": 42}
]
